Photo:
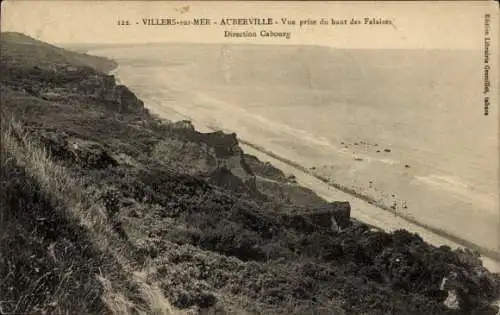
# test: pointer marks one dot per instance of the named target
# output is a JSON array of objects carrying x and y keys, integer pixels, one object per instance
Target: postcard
[{"x": 250, "y": 157}]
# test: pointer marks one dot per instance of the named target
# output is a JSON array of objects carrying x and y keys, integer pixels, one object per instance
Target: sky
[{"x": 448, "y": 25}]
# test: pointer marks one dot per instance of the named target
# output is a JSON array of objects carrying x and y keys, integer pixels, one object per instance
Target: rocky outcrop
[
  {"x": 225, "y": 145},
  {"x": 265, "y": 169},
  {"x": 220, "y": 148},
  {"x": 183, "y": 125},
  {"x": 127, "y": 100},
  {"x": 88, "y": 154},
  {"x": 243, "y": 184},
  {"x": 63, "y": 82},
  {"x": 334, "y": 216},
  {"x": 449, "y": 284},
  {"x": 99, "y": 86},
  {"x": 103, "y": 87}
]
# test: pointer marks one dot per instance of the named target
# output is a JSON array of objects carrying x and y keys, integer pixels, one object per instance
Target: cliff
[{"x": 105, "y": 206}]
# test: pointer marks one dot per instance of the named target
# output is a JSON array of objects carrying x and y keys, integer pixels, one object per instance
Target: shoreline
[
  {"x": 368, "y": 199},
  {"x": 385, "y": 220},
  {"x": 434, "y": 235}
]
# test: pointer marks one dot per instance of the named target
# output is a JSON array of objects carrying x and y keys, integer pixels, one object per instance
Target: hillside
[
  {"x": 107, "y": 209},
  {"x": 24, "y": 51}
]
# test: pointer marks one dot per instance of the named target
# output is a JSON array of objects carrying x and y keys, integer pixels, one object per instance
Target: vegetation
[{"x": 107, "y": 209}]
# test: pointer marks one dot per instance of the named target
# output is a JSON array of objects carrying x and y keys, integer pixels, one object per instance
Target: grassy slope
[
  {"x": 59, "y": 255},
  {"x": 28, "y": 52},
  {"x": 135, "y": 210}
]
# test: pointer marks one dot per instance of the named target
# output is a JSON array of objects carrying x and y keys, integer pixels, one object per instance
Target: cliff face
[
  {"x": 52, "y": 73},
  {"x": 68, "y": 83},
  {"x": 216, "y": 229},
  {"x": 104, "y": 88},
  {"x": 216, "y": 156}
]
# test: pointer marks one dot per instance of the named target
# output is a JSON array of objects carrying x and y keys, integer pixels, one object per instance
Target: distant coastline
[{"x": 486, "y": 252}]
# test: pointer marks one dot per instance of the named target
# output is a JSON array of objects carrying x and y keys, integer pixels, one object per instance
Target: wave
[
  {"x": 446, "y": 182},
  {"x": 465, "y": 191}
]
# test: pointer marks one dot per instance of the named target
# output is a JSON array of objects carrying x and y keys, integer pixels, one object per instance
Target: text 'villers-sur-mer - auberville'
[{"x": 259, "y": 21}]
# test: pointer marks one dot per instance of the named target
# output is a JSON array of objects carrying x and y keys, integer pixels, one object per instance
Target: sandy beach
[{"x": 430, "y": 177}]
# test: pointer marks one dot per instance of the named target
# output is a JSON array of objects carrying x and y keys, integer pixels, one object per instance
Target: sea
[{"x": 406, "y": 128}]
